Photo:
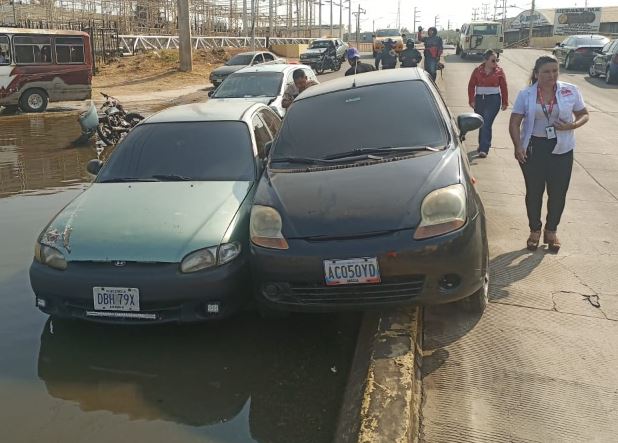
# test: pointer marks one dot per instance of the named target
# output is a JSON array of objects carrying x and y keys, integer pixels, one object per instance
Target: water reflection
[
  {"x": 36, "y": 152},
  {"x": 203, "y": 376}
]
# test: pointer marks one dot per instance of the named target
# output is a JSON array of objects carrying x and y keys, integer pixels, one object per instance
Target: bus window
[
  {"x": 30, "y": 50},
  {"x": 5, "y": 52},
  {"x": 69, "y": 50}
]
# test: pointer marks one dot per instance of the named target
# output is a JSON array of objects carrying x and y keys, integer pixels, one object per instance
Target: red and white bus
[{"x": 38, "y": 66}]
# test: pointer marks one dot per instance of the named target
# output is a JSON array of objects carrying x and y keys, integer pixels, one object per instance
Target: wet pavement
[{"x": 240, "y": 380}]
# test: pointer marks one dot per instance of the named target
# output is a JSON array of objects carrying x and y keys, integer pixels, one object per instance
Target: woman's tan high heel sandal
[
  {"x": 533, "y": 240},
  {"x": 552, "y": 240}
]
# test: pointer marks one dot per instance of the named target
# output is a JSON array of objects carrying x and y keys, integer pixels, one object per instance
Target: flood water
[{"x": 240, "y": 380}]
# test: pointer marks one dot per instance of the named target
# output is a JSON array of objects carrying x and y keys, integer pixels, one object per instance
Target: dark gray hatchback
[{"x": 367, "y": 200}]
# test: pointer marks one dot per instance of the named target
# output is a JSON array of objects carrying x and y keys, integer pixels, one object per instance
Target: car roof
[
  {"x": 272, "y": 67},
  {"x": 592, "y": 36},
  {"x": 252, "y": 53},
  {"x": 366, "y": 79},
  {"x": 212, "y": 110}
]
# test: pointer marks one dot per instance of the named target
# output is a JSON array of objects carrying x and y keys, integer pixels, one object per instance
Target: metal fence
[{"x": 105, "y": 45}]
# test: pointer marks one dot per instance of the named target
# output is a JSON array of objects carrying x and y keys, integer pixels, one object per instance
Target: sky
[{"x": 384, "y": 12}]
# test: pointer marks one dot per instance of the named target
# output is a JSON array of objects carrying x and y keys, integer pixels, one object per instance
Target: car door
[
  {"x": 261, "y": 133},
  {"x": 272, "y": 121}
]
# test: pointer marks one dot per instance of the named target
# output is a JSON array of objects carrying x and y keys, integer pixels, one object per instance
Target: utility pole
[
  {"x": 320, "y": 17},
  {"x": 253, "y": 2},
  {"x": 270, "y": 18},
  {"x": 531, "y": 22},
  {"x": 331, "y": 18},
  {"x": 475, "y": 14},
  {"x": 417, "y": 18},
  {"x": 357, "y": 14},
  {"x": 436, "y": 19},
  {"x": 244, "y": 18},
  {"x": 485, "y": 12},
  {"x": 399, "y": 15},
  {"x": 341, "y": 19},
  {"x": 349, "y": 21},
  {"x": 184, "y": 36}
]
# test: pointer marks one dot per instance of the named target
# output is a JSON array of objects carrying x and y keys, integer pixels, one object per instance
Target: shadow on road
[
  {"x": 453, "y": 58},
  {"x": 599, "y": 83},
  {"x": 512, "y": 267}
]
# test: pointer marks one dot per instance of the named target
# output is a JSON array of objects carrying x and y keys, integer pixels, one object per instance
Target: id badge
[{"x": 551, "y": 132}]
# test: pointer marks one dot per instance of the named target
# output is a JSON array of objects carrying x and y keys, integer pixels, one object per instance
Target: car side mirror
[
  {"x": 94, "y": 166},
  {"x": 467, "y": 122}
]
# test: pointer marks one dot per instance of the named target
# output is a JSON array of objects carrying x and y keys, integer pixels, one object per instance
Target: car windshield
[
  {"x": 387, "y": 33},
  {"x": 199, "y": 151},
  {"x": 485, "y": 30},
  {"x": 250, "y": 84},
  {"x": 318, "y": 44},
  {"x": 400, "y": 114},
  {"x": 240, "y": 60},
  {"x": 591, "y": 41}
]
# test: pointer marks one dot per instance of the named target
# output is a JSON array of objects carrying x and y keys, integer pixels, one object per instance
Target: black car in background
[
  {"x": 578, "y": 51},
  {"x": 240, "y": 61},
  {"x": 606, "y": 63},
  {"x": 376, "y": 210}
]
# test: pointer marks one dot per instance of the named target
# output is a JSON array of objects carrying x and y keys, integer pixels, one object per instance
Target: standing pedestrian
[
  {"x": 486, "y": 91},
  {"x": 388, "y": 55},
  {"x": 550, "y": 111},
  {"x": 356, "y": 67},
  {"x": 433, "y": 51},
  {"x": 410, "y": 57}
]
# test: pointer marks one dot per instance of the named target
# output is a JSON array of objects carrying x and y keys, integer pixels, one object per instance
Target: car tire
[
  {"x": 568, "y": 62},
  {"x": 33, "y": 100},
  {"x": 609, "y": 78},
  {"x": 477, "y": 302},
  {"x": 591, "y": 71}
]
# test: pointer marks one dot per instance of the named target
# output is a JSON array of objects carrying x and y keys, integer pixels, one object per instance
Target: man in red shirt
[{"x": 487, "y": 93}]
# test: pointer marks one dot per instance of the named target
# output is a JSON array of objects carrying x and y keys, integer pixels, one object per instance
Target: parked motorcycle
[
  {"x": 114, "y": 121},
  {"x": 327, "y": 62}
]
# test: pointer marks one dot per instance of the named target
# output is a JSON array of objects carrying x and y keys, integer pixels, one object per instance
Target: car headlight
[
  {"x": 210, "y": 257},
  {"x": 265, "y": 228},
  {"x": 49, "y": 256},
  {"x": 442, "y": 211}
]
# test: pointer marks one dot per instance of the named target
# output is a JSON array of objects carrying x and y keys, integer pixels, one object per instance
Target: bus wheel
[{"x": 33, "y": 100}]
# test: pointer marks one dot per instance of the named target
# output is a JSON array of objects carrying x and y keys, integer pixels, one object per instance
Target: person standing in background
[{"x": 433, "y": 51}]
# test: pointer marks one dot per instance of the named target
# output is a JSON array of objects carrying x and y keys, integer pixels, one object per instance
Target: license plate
[
  {"x": 354, "y": 271},
  {"x": 115, "y": 299}
]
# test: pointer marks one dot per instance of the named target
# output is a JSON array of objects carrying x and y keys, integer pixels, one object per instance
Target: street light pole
[{"x": 331, "y": 18}]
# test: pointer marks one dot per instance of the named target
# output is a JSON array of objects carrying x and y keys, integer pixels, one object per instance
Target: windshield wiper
[
  {"x": 384, "y": 150},
  {"x": 128, "y": 179},
  {"x": 171, "y": 178},
  {"x": 301, "y": 160}
]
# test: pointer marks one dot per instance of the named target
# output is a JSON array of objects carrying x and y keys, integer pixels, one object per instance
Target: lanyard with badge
[{"x": 549, "y": 129}]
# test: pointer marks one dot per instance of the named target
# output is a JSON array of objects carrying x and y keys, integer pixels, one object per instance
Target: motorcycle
[
  {"x": 327, "y": 61},
  {"x": 114, "y": 121}
]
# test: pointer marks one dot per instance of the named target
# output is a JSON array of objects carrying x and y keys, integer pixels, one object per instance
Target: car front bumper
[
  {"x": 165, "y": 294},
  {"x": 433, "y": 271}
]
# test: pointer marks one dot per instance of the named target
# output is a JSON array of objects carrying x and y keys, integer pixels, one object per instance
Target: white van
[{"x": 478, "y": 37}]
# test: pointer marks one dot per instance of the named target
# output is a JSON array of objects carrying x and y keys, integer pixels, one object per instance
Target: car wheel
[
  {"x": 609, "y": 78},
  {"x": 592, "y": 72},
  {"x": 33, "y": 100},
  {"x": 568, "y": 62},
  {"x": 477, "y": 302}
]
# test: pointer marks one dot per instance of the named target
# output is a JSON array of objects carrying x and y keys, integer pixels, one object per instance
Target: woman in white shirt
[{"x": 550, "y": 111}]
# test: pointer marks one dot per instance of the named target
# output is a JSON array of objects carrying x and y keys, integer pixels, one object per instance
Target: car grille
[{"x": 390, "y": 292}]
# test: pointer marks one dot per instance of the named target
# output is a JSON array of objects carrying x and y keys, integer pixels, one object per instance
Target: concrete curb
[{"x": 382, "y": 398}]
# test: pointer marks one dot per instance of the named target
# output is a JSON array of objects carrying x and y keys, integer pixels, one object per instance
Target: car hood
[
  {"x": 145, "y": 222},
  {"x": 227, "y": 70},
  {"x": 314, "y": 51},
  {"x": 357, "y": 200}
]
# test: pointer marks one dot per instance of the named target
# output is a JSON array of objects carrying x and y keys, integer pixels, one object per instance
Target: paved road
[{"x": 542, "y": 362}]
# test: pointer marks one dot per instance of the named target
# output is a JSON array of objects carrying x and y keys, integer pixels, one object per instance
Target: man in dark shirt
[
  {"x": 356, "y": 67},
  {"x": 388, "y": 56},
  {"x": 410, "y": 57},
  {"x": 433, "y": 51}
]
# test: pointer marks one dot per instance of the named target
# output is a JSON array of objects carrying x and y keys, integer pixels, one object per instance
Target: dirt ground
[{"x": 157, "y": 71}]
